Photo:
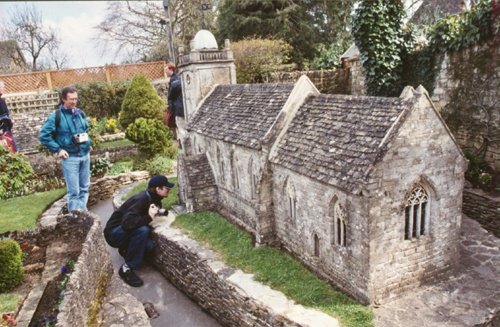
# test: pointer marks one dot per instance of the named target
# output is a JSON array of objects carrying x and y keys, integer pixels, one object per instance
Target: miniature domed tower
[{"x": 203, "y": 67}]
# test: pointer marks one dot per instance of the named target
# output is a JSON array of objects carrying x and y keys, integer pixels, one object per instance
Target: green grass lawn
[
  {"x": 274, "y": 268},
  {"x": 122, "y": 166},
  {"x": 167, "y": 202},
  {"x": 8, "y": 302},
  {"x": 115, "y": 144},
  {"x": 22, "y": 212}
]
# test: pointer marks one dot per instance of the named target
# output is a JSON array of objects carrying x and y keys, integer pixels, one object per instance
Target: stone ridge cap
[{"x": 246, "y": 285}]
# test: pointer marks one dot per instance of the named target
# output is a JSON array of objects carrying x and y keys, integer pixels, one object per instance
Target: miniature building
[{"x": 366, "y": 191}]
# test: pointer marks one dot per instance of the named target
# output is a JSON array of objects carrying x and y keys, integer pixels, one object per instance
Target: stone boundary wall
[
  {"x": 94, "y": 263},
  {"x": 331, "y": 81},
  {"x": 116, "y": 154},
  {"x": 232, "y": 297},
  {"x": 483, "y": 209},
  {"x": 105, "y": 187}
]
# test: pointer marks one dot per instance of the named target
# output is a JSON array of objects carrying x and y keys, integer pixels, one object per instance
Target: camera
[{"x": 80, "y": 138}]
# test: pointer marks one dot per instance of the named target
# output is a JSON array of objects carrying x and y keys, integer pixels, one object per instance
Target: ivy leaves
[
  {"x": 379, "y": 37},
  {"x": 390, "y": 54}
]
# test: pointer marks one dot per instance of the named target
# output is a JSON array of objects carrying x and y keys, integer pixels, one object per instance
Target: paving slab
[{"x": 468, "y": 297}]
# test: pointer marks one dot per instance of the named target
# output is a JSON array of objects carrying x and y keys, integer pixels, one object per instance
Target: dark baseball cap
[{"x": 160, "y": 181}]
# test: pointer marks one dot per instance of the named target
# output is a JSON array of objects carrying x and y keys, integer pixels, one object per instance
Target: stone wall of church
[
  {"x": 346, "y": 266},
  {"x": 237, "y": 171},
  {"x": 421, "y": 153}
]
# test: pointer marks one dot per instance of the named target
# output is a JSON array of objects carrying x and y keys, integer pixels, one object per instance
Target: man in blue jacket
[
  {"x": 65, "y": 133},
  {"x": 128, "y": 227}
]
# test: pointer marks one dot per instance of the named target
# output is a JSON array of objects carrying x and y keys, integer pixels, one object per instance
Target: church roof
[
  {"x": 240, "y": 114},
  {"x": 335, "y": 139}
]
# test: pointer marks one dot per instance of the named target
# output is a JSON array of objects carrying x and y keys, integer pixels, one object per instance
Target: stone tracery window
[
  {"x": 253, "y": 173},
  {"x": 292, "y": 201},
  {"x": 316, "y": 245},
  {"x": 340, "y": 226},
  {"x": 220, "y": 160},
  {"x": 236, "y": 175},
  {"x": 416, "y": 213}
]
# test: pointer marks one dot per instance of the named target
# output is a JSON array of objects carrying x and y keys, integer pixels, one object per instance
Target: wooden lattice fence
[{"x": 54, "y": 79}]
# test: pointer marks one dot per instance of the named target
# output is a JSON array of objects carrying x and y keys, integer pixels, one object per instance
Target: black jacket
[
  {"x": 175, "y": 104},
  {"x": 133, "y": 213}
]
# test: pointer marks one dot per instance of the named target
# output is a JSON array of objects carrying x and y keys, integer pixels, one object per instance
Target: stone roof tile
[
  {"x": 240, "y": 114},
  {"x": 335, "y": 138}
]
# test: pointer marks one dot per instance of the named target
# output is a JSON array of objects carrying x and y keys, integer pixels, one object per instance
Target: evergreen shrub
[
  {"x": 160, "y": 165},
  {"x": 256, "y": 59},
  {"x": 141, "y": 101},
  {"x": 151, "y": 136},
  {"x": 100, "y": 99},
  {"x": 11, "y": 265},
  {"x": 15, "y": 172}
]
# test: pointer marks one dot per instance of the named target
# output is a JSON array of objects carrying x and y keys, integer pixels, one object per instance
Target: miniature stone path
[{"x": 469, "y": 297}]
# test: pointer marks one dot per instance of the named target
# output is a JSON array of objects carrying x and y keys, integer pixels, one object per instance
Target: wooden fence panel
[
  {"x": 62, "y": 78},
  {"x": 24, "y": 82},
  {"x": 152, "y": 71},
  {"x": 54, "y": 79}
]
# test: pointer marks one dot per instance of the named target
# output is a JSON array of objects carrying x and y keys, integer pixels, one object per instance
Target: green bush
[
  {"x": 141, "y": 101},
  {"x": 15, "y": 171},
  {"x": 160, "y": 165},
  {"x": 111, "y": 126},
  {"x": 102, "y": 99},
  {"x": 11, "y": 265},
  {"x": 256, "y": 59},
  {"x": 151, "y": 136},
  {"x": 99, "y": 167}
]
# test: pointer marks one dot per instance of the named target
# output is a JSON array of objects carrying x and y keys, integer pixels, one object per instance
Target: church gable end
[{"x": 335, "y": 138}]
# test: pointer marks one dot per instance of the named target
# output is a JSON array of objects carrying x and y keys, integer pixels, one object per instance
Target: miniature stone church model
[{"x": 365, "y": 191}]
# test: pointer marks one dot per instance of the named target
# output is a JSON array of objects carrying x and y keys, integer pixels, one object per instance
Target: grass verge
[
  {"x": 9, "y": 301},
  {"x": 115, "y": 144},
  {"x": 274, "y": 268},
  {"x": 22, "y": 212},
  {"x": 120, "y": 167},
  {"x": 166, "y": 203}
]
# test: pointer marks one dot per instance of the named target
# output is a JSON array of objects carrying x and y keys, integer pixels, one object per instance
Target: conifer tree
[{"x": 141, "y": 101}]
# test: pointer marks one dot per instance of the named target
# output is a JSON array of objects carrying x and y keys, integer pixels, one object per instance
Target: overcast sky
[{"x": 74, "y": 22}]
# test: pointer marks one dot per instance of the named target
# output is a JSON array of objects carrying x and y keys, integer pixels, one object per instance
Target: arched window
[
  {"x": 220, "y": 160},
  {"x": 340, "y": 227},
  {"x": 316, "y": 245},
  {"x": 416, "y": 213},
  {"x": 254, "y": 176},
  {"x": 291, "y": 201},
  {"x": 194, "y": 143},
  {"x": 236, "y": 175}
]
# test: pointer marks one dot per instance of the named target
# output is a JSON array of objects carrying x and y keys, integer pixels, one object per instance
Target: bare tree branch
[{"x": 26, "y": 27}]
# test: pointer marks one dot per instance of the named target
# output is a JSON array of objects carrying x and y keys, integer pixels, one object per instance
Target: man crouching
[{"x": 128, "y": 227}]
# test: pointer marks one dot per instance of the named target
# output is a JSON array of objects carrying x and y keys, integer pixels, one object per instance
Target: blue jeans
[
  {"x": 76, "y": 171},
  {"x": 135, "y": 242}
]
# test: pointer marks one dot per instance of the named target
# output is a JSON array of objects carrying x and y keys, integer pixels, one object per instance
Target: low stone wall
[
  {"x": 331, "y": 81},
  {"x": 105, "y": 187},
  {"x": 116, "y": 154},
  {"x": 93, "y": 265},
  {"x": 229, "y": 295},
  {"x": 483, "y": 209}
]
